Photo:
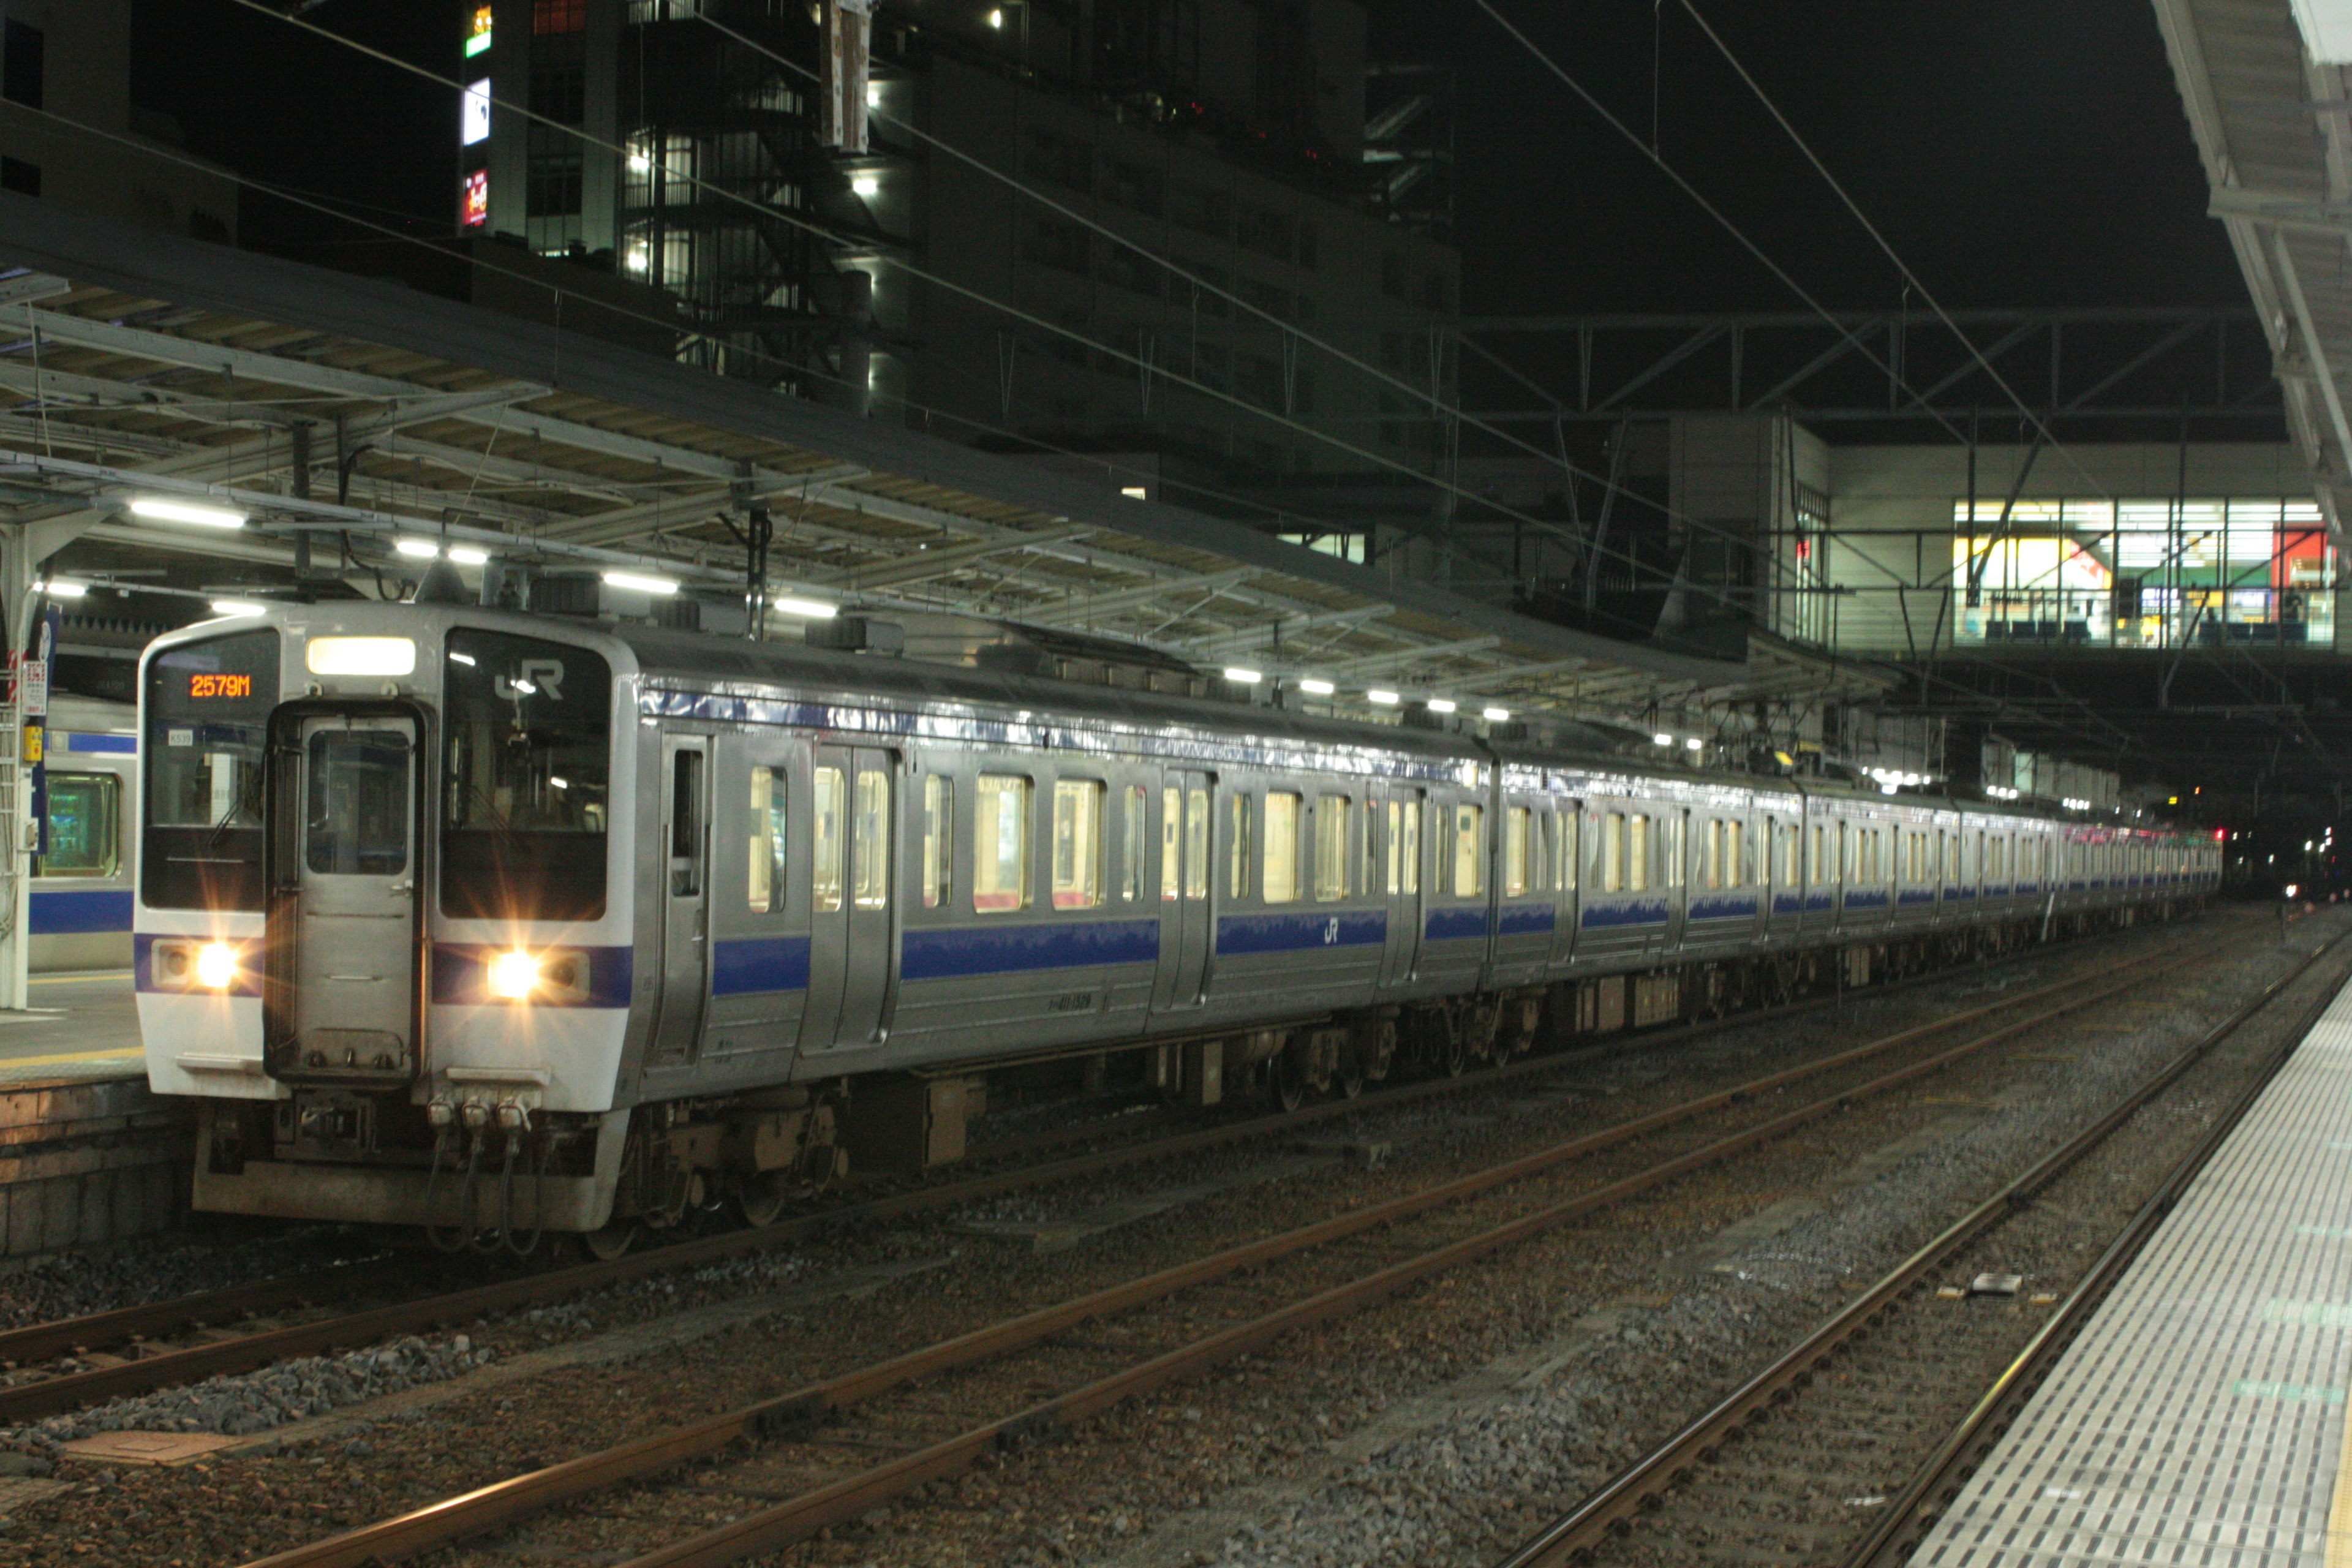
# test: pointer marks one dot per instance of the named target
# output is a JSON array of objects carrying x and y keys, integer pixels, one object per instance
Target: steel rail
[
  {"x": 75, "y": 1390},
  {"x": 502, "y": 1502},
  {"x": 1937, "y": 1482},
  {"x": 1637, "y": 1488},
  {"x": 77, "y": 1336}
]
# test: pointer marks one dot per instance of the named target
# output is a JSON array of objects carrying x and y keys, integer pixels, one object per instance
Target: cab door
[
  {"x": 1186, "y": 922},
  {"x": 1404, "y": 827},
  {"x": 686, "y": 898},
  {"x": 852, "y": 936},
  {"x": 350, "y": 996}
]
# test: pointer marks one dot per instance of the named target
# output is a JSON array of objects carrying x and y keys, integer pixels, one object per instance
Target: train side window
[
  {"x": 767, "y": 843},
  {"x": 1133, "y": 829},
  {"x": 828, "y": 841},
  {"x": 1196, "y": 844},
  {"x": 85, "y": 825},
  {"x": 870, "y": 867},
  {"x": 1469, "y": 851},
  {"x": 1000, "y": 844},
  {"x": 1390, "y": 861},
  {"x": 1238, "y": 849},
  {"x": 1518, "y": 824},
  {"x": 1710, "y": 868},
  {"x": 1671, "y": 830},
  {"x": 1171, "y": 839},
  {"x": 1613, "y": 853},
  {"x": 1637, "y": 853},
  {"x": 1077, "y": 843},
  {"x": 1280, "y": 876},
  {"x": 1735, "y": 851},
  {"x": 939, "y": 840},
  {"x": 1332, "y": 842},
  {"x": 1571, "y": 822},
  {"x": 1409, "y": 849},
  {"x": 1368, "y": 884}
]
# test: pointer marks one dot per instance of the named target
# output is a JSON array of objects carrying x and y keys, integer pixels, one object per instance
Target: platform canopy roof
[
  {"x": 141, "y": 367},
  {"x": 2273, "y": 127}
]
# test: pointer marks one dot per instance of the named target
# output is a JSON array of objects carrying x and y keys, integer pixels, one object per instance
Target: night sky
[{"x": 2016, "y": 152}]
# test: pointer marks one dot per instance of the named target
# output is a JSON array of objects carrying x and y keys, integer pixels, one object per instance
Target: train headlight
[
  {"x": 216, "y": 966},
  {"x": 514, "y": 977}
]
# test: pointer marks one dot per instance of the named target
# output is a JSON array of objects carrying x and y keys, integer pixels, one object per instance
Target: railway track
[
  {"x": 935, "y": 1410},
  {"x": 1824, "y": 1429},
  {"x": 137, "y": 1349}
]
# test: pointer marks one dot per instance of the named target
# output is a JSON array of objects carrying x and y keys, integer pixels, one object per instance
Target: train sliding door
[
  {"x": 350, "y": 1000},
  {"x": 1405, "y": 811},
  {"x": 1185, "y": 921},
  {"x": 686, "y": 898},
  {"x": 851, "y": 880}
]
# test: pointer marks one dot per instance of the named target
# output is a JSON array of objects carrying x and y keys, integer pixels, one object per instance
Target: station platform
[
  {"x": 2200, "y": 1416},
  {"x": 81, "y": 1028}
]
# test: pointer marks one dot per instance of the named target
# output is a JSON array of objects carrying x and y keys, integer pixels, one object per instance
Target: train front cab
[{"x": 382, "y": 926}]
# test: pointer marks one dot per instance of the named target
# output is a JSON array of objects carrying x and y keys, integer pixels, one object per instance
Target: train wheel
[
  {"x": 761, "y": 1198},
  {"x": 606, "y": 1245},
  {"x": 1285, "y": 1079},
  {"x": 1349, "y": 1077}
]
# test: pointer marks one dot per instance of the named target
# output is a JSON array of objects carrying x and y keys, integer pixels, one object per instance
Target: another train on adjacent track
[{"x": 496, "y": 923}]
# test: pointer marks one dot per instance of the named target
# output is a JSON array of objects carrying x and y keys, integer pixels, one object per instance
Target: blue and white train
[
  {"x": 80, "y": 898},
  {"x": 494, "y": 922}
]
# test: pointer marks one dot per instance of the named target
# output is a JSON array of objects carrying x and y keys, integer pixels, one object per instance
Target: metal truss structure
[{"x": 2108, "y": 372}]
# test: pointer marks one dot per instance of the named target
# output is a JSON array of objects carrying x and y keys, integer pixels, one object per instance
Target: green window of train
[{"x": 85, "y": 825}]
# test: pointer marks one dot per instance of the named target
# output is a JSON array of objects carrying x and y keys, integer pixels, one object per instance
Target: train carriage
[{"x": 482, "y": 921}]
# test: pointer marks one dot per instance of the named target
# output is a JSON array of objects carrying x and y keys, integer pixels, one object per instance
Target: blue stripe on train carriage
[
  {"x": 82, "y": 910},
  {"x": 1454, "y": 925},
  {"x": 746, "y": 965},
  {"x": 1528, "y": 919},
  {"x": 949, "y": 953},
  {"x": 1722, "y": 909},
  {"x": 1301, "y": 932},
  {"x": 1645, "y": 913},
  {"x": 123, "y": 745},
  {"x": 461, "y": 976}
]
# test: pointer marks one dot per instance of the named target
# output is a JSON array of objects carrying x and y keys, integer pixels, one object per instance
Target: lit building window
[{"x": 474, "y": 114}]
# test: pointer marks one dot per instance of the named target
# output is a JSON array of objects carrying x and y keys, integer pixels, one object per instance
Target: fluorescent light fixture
[
  {"x": 1314, "y": 688},
  {"x": 465, "y": 658},
  {"x": 639, "y": 583},
  {"x": 519, "y": 685},
  {"x": 1440, "y": 705},
  {"x": 1695, "y": 745},
  {"x": 809, "y": 609},
  {"x": 422, "y": 549},
  {"x": 555, "y": 782},
  {"x": 157, "y": 509},
  {"x": 866, "y": 185},
  {"x": 1381, "y": 699},
  {"x": 996, "y": 18},
  {"x": 236, "y": 607},
  {"x": 636, "y": 258},
  {"x": 360, "y": 656},
  {"x": 1497, "y": 715},
  {"x": 1662, "y": 739},
  {"x": 1135, "y": 492},
  {"x": 466, "y": 555},
  {"x": 64, "y": 590},
  {"x": 1241, "y": 675},
  {"x": 873, "y": 95},
  {"x": 640, "y": 165}
]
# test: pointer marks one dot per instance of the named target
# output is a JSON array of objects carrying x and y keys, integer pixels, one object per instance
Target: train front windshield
[
  {"x": 527, "y": 785},
  {"x": 207, "y": 724}
]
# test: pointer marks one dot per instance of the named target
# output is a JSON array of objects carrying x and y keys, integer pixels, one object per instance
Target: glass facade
[{"x": 2144, "y": 574}]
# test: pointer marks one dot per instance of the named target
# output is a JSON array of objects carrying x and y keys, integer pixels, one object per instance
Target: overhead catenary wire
[
  {"x": 1028, "y": 318},
  {"x": 1911, "y": 279},
  {"x": 1722, "y": 218},
  {"x": 1379, "y": 373},
  {"x": 167, "y": 156}
]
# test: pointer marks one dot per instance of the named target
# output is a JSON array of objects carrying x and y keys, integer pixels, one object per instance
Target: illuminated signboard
[
  {"x": 474, "y": 114},
  {"x": 477, "y": 35},
  {"x": 220, "y": 686},
  {"x": 477, "y": 198}
]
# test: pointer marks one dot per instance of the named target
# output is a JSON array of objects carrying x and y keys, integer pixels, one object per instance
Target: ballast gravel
[
  {"x": 74, "y": 1284},
  {"x": 1454, "y": 1493}
]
